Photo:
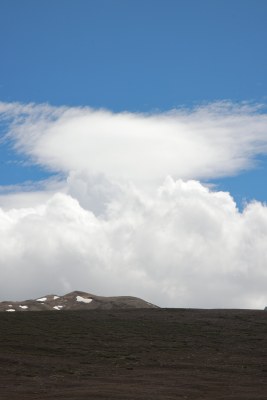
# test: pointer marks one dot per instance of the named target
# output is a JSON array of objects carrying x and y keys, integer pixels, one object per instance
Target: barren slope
[{"x": 134, "y": 354}]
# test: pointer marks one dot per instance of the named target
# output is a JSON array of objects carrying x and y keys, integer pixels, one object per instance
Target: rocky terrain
[{"x": 74, "y": 301}]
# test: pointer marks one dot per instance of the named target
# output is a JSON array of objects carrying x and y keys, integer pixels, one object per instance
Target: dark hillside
[{"x": 134, "y": 354}]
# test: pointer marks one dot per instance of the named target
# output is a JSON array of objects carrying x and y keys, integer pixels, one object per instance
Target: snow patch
[
  {"x": 83, "y": 300},
  {"x": 58, "y": 307},
  {"x": 11, "y": 310},
  {"x": 42, "y": 299},
  {"x": 23, "y": 307},
  {"x": 56, "y": 297}
]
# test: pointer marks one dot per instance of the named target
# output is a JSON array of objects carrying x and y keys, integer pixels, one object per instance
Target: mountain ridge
[{"x": 76, "y": 300}]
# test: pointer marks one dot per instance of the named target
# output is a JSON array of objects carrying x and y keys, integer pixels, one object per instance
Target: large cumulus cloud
[
  {"x": 114, "y": 224},
  {"x": 182, "y": 246}
]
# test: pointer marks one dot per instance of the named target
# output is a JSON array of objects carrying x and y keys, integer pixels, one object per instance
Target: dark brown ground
[{"x": 134, "y": 354}]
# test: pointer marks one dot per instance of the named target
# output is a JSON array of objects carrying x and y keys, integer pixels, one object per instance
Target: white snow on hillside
[{"x": 83, "y": 300}]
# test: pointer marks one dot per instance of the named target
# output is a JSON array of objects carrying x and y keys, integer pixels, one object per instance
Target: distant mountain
[{"x": 75, "y": 301}]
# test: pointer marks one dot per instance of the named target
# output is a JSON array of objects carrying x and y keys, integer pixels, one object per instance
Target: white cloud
[
  {"x": 215, "y": 140},
  {"x": 103, "y": 230},
  {"x": 184, "y": 246}
]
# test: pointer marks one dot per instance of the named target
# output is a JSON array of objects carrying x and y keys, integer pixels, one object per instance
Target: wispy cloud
[{"x": 210, "y": 141}]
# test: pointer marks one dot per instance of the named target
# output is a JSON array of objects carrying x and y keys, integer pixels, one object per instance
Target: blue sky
[
  {"x": 139, "y": 56},
  {"x": 126, "y": 55},
  {"x": 133, "y": 143}
]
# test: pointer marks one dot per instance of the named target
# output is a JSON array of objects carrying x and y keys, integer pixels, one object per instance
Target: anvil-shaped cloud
[{"x": 216, "y": 140}]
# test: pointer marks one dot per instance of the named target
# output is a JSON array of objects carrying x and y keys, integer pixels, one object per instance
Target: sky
[{"x": 133, "y": 143}]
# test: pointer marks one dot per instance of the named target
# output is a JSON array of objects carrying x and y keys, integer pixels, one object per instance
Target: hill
[{"x": 76, "y": 300}]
